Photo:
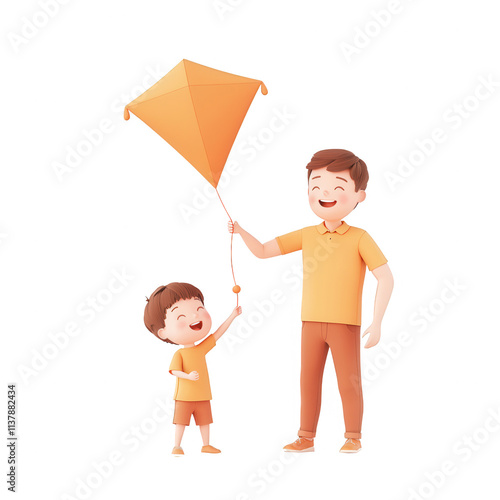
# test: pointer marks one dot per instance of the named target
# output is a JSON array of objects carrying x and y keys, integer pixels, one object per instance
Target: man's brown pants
[{"x": 344, "y": 344}]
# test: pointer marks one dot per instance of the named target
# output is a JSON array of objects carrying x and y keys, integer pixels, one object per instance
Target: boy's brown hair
[
  {"x": 163, "y": 298},
  {"x": 336, "y": 160}
]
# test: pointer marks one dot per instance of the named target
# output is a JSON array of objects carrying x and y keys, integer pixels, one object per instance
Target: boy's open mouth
[
  {"x": 196, "y": 326},
  {"x": 327, "y": 203}
]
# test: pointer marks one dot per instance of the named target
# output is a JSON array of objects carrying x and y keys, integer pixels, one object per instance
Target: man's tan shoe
[
  {"x": 351, "y": 446},
  {"x": 177, "y": 451},
  {"x": 209, "y": 449},
  {"x": 301, "y": 445}
]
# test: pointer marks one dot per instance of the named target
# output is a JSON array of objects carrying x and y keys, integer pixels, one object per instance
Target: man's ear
[{"x": 162, "y": 333}]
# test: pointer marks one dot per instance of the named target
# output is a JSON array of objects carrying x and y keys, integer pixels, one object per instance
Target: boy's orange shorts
[{"x": 201, "y": 411}]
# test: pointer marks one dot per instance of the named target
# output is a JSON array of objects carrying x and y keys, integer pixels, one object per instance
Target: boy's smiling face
[
  {"x": 186, "y": 322},
  {"x": 332, "y": 195}
]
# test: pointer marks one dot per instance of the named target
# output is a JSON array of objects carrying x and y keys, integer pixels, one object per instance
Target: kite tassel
[
  {"x": 263, "y": 88},
  {"x": 126, "y": 114}
]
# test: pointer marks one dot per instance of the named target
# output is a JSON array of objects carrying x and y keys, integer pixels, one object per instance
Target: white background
[{"x": 122, "y": 209}]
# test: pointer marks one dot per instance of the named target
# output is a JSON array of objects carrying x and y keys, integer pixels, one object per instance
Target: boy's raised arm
[
  {"x": 262, "y": 251},
  {"x": 222, "y": 328}
]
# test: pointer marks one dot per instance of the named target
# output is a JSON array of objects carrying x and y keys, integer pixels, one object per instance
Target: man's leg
[
  {"x": 344, "y": 341},
  {"x": 313, "y": 357}
]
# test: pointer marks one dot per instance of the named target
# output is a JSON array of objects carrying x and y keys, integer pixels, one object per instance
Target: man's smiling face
[
  {"x": 186, "y": 322},
  {"x": 332, "y": 195}
]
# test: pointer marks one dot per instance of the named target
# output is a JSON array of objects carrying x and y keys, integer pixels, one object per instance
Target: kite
[{"x": 198, "y": 111}]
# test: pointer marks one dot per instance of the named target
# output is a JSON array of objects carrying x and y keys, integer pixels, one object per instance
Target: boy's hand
[
  {"x": 222, "y": 328},
  {"x": 233, "y": 228},
  {"x": 375, "y": 331},
  {"x": 193, "y": 376}
]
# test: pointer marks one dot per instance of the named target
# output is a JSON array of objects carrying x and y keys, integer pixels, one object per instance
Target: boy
[
  {"x": 335, "y": 256},
  {"x": 176, "y": 314}
]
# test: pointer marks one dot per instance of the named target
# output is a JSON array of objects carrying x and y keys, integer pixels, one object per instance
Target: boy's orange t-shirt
[{"x": 191, "y": 359}]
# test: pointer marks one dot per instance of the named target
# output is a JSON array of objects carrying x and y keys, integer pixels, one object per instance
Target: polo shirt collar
[{"x": 342, "y": 229}]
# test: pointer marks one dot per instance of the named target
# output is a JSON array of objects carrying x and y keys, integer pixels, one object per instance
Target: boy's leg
[
  {"x": 182, "y": 416},
  {"x": 203, "y": 417},
  {"x": 179, "y": 432},
  {"x": 205, "y": 434},
  {"x": 314, "y": 350},
  {"x": 344, "y": 342}
]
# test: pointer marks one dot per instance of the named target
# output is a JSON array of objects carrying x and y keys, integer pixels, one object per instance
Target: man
[{"x": 335, "y": 256}]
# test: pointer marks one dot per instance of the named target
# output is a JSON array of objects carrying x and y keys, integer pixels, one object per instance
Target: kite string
[{"x": 231, "y": 245}]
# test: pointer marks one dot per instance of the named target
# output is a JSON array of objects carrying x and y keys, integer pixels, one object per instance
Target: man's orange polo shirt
[{"x": 334, "y": 270}]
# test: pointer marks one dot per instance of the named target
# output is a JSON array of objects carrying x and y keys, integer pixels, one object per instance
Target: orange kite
[{"x": 198, "y": 111}]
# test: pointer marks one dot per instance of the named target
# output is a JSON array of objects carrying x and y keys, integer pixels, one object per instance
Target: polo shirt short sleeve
[
  {"x": 370, "y": 252},
  {"x": 291, "y": 242}
]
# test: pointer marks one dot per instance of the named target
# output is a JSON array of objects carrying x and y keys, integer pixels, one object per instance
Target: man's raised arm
[{"x": 260, "y": 250}]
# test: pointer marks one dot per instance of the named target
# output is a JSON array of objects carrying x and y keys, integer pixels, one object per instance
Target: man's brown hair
[
  {"x": 163, "y": 298},
  {"x": 336, "y": 160}
]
